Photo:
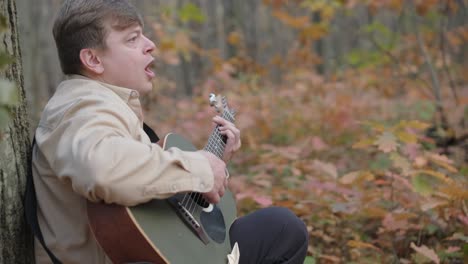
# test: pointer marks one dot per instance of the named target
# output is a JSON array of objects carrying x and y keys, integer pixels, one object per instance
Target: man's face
[{"x": 127, "y": 59}]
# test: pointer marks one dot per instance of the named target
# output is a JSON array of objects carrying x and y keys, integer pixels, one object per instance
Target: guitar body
[{"x": 177, "y": 230}]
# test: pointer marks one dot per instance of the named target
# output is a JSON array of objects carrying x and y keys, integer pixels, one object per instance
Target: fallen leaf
[
  {"x": 390, "y": 223},
  {"x": 363, "y": 143},
  {"x": 328, "y": 168},
  {"x": 452, "y": 249},
  {"x": 432, "y": 204},
  {"x": 318, "y": 144},
  {"x": 427, "y": 252},
  {"x": 387, "y": 142},
  {"x": 349, "y": 177},
  {"x": 443, "y": 161},
  {"x": 401, "y": 163},
  {"x": 360, "y": 244},
  {"x": 408, "y": 138}
]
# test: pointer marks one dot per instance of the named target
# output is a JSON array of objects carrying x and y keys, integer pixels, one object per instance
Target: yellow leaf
[
  {"x": 360, "y": 244},
  {"x": 349, "y": 178},
  {"x": 443, "y": 161},
  {"x": 401, "y": 163},
  {"x": 406, "y": 137},
  {"x": 435, "y": 174},
  {"x": 387, "y": 142},
  {"x": 166, "y": 44},
  {"x": 314, "y": 32},
  {"x": 427, "y": 252},
  {"x": 374, "y": 212},
  {"x": 454, "y": 191},
  {"x": 363, "y": 143},
  {"x": 414, "y": 124},
  {"x": 358, "y": 176},
  {"x": 433, "y": 204},
  {"x": 375, "y": 126}
]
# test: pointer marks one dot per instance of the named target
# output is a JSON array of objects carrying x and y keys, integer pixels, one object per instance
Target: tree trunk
[
  {"x": 41, "y": 67},
  {"x": 15, "y": 239},
  {"x": 229, "y": 27},
  {"x": 249, "y": 27}
]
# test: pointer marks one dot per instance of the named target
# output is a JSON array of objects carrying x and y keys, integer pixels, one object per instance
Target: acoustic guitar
[{"x": 182, "y": 229}]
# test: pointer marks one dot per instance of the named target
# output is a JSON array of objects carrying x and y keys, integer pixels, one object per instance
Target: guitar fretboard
[{"x": 217, "y": 142}]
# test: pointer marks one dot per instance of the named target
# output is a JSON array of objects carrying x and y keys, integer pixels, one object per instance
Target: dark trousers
[{"x": 270, "y": 236}]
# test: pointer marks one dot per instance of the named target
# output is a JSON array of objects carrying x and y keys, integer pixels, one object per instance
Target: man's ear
[{"x": 91, "y": 61}]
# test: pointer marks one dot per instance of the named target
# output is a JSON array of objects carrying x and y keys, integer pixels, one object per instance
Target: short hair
[{"x": 81, "y": 24}]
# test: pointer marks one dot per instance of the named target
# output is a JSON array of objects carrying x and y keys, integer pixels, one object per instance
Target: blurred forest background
[{"x": 353, "y": 113}]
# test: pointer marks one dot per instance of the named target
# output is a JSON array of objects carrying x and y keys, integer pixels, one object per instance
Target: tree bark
[
  {"x": 16, "y": 243},
  {"x": 229, "y": 27},
  {"x": 41, "y": 67}
]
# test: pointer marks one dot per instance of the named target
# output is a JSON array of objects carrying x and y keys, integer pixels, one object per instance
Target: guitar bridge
[{"x": 189, "y": 219}]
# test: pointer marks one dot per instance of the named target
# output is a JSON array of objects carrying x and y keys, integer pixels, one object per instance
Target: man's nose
[{"x": 150, "y": 46}]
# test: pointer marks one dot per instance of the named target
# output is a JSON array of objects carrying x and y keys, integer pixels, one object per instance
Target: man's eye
[{"x": 133, "y": 39}]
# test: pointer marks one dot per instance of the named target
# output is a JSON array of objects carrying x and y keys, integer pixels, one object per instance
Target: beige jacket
[{"x": 91, "y": 145}]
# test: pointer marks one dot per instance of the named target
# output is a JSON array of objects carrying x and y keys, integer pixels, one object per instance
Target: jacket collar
[{"x": 129, "y": 96}]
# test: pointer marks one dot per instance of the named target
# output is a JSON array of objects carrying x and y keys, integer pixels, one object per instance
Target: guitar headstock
[{"x": 220, "y": 104}]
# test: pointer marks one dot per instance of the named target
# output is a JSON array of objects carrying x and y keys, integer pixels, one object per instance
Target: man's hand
[
  {"x": 220, "y": 180},
  {"x": 232, "y": 133}
]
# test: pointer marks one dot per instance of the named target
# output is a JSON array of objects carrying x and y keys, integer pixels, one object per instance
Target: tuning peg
[{"x": 212, "y": 99}]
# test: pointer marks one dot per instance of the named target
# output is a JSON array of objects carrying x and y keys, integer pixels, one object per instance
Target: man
[{"x": 90, "y": 144}]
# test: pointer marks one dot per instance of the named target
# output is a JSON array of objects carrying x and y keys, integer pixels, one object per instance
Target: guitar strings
[{"x": 215, "y": 145}]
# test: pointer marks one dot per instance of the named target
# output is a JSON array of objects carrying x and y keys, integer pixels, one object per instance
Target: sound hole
[{"x": 213, "y": 223}]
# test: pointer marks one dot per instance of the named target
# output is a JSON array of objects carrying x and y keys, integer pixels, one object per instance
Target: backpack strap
[
  {"x": 151, "y": 134},
  {"x": 30, "y": 205}
]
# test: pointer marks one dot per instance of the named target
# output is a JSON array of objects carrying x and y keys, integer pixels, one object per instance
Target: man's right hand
[{"x": 220, "y": 180}]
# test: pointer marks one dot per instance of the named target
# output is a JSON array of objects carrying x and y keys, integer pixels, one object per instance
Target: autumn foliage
[{"x": 372, "y": 156}]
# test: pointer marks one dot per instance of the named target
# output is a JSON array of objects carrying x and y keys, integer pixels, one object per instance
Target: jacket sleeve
[{"x": 93, "y": 149}]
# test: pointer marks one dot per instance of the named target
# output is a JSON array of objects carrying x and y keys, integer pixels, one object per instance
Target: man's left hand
[{"x": 232, "y": 133}]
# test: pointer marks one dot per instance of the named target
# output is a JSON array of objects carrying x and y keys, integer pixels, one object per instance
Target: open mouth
[{"x": 149, "y": 69}]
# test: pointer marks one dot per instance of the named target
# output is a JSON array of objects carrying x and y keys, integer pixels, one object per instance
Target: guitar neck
[{"x": 217, "y": 142}]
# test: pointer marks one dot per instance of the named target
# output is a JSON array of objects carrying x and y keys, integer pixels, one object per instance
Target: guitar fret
[{"x": 216, "y": 141}]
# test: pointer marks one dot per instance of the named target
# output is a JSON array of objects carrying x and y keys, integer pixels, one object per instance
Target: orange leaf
[
  {"x": 314, "y": 32},
  {"x": 295, "y": 22},
  {"x": 455, "y": 191},
  {"x": 234, "y": 38}
]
